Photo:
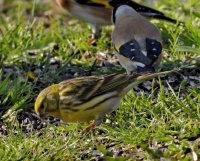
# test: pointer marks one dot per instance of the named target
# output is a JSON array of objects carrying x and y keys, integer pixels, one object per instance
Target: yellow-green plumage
[{"x": 87, "y": 98}]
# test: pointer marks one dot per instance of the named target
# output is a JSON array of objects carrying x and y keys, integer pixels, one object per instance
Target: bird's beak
[{"x": 42, "y": 116}]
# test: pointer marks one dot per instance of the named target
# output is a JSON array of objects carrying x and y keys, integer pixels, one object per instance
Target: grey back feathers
[{"x": 119, "y": 10}]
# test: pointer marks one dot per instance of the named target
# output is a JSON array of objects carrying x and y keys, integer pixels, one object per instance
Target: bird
[
  {"x": 98, "y": 12},
  {"x": 137, "y": 41},
  {"x": 87, "y": 98}
]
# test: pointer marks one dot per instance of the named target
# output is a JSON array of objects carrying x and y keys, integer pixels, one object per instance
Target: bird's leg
[
  {"x": 91, "y": 126},
  {"x": 96, "y": 30},
  {"x": 88, "y": 128},
  {"x": 95, "y": 34},
  {"x": 97, "y": 122},
  {"x": 148, "y": 69}
]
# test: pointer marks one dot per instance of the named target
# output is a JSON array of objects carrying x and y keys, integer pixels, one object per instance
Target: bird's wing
[
  {"x": 132, "y": 51},
  {"x": 97, "y": 3},
  {"x": 154, "y": 49},
  {"x": 85, "y": 88},
  {"x": 114, "y": 82},
  {"x": 144, "y": 10}
]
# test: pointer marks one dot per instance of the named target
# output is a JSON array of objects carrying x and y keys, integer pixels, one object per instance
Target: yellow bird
[
  {"x": 98, "y": 12},
  {"x": 87, "y": 98},
  {"x": 137, "y": 42}
]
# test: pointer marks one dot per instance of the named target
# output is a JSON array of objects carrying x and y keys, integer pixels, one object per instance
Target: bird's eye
[{"x": 42, "y": 106}]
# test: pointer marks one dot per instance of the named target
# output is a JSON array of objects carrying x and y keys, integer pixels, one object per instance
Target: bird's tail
[{"x": 151, "y": 75}]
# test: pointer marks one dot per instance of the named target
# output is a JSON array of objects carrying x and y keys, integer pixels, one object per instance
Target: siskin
[{"x": 87, "y": 98}]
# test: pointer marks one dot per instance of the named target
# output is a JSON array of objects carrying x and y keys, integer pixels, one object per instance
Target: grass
[{"x": 30, "y": 39}]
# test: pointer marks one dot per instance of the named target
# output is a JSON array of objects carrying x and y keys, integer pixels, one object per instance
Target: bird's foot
[{"x": 88, "y": 128}]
